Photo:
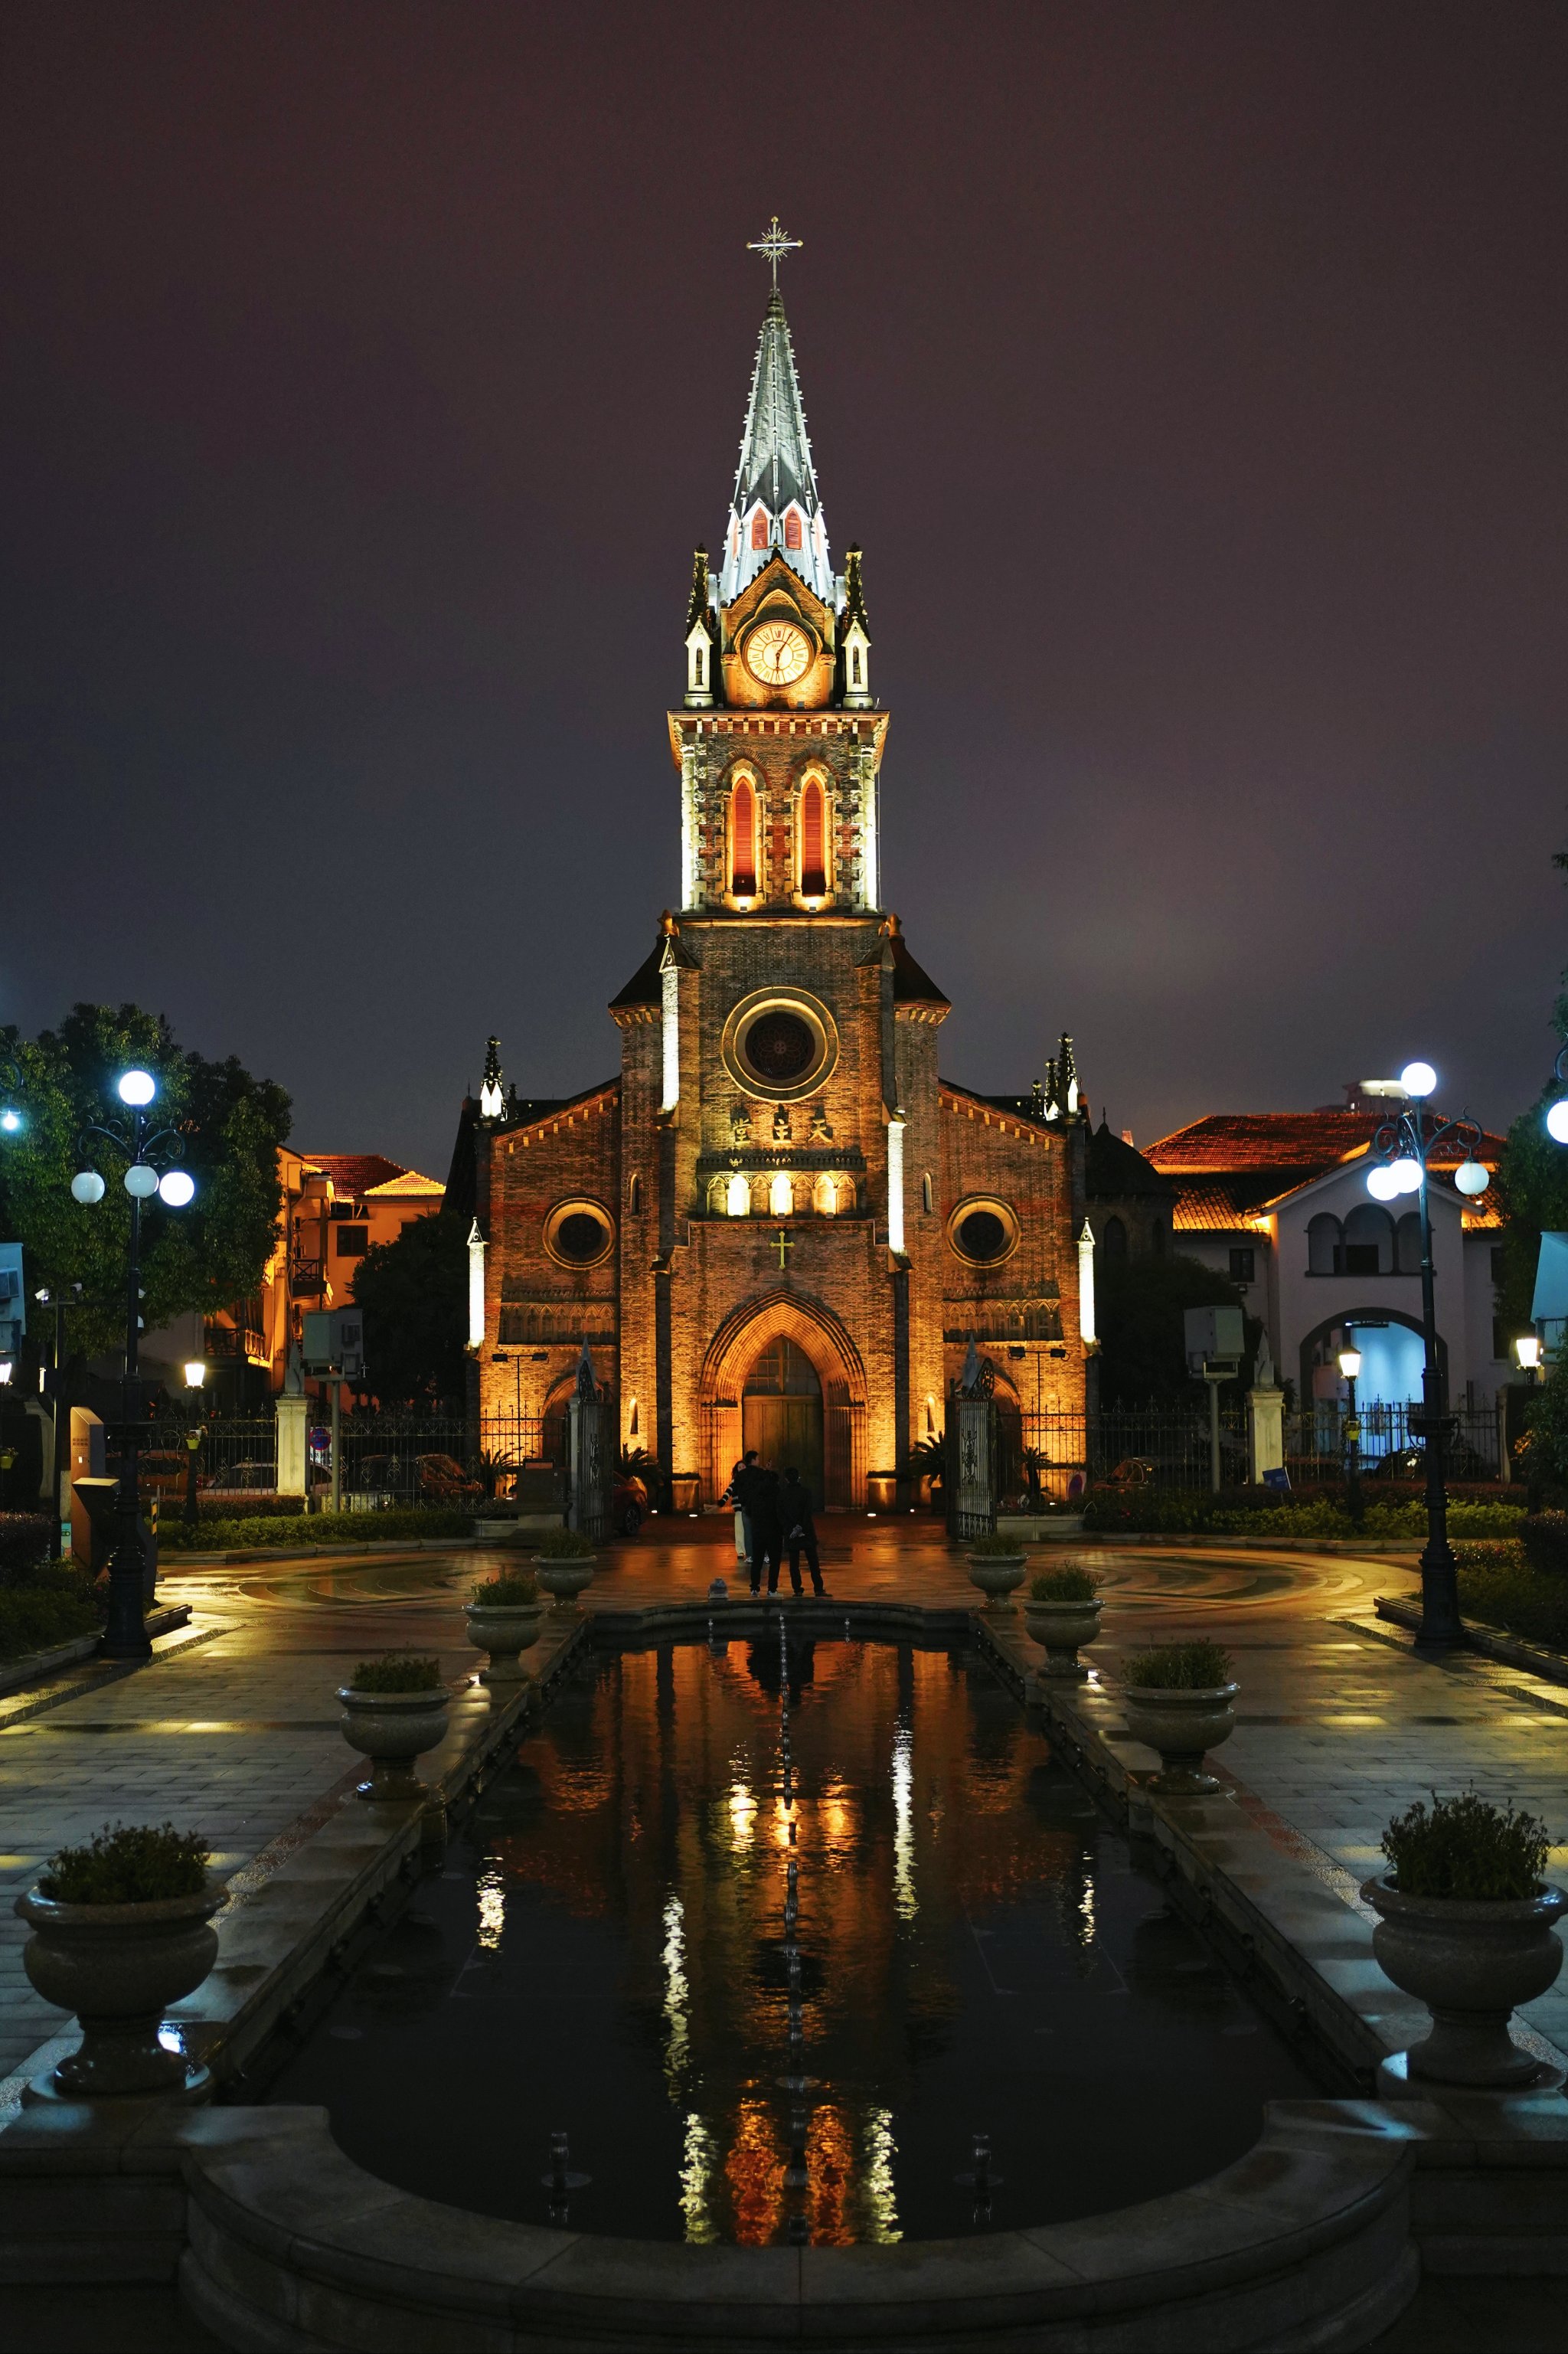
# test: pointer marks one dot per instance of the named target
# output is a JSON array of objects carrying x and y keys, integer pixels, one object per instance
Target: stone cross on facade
[{"x": 786, "y": 1244}]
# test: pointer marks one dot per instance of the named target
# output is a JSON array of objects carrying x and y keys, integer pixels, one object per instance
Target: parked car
[{"x": 627, "y": 1503}]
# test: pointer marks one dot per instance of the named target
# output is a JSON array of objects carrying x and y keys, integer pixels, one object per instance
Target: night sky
[{"x": 1196, "y": 379}]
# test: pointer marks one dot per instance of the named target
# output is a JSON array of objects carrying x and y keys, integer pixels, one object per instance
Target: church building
[{"x": 777, "y": 1225}]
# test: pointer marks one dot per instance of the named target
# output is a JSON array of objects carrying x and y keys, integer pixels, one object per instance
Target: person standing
[
  {"x": 767, "y": 1534},
  {"x": 739, "y": 1486},
  {"x": 800, "y": 1532}
]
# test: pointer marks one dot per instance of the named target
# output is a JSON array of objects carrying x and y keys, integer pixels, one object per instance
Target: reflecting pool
[{"x": 619, "y": 1948}]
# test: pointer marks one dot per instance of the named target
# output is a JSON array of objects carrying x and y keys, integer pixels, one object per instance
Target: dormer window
[
  {"x": 759, "y": 522},
  {"x": 698, "y": 670},
  {"x": 792, "y": 529},
  {"x": 854, "y": 665}
]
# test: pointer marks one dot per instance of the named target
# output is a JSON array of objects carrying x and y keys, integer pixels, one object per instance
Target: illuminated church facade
[{"x": 778, "y": 1225}]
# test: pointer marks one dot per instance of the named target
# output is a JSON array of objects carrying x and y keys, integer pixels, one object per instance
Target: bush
[
  {"x": 1071, "y": 1583},
  {"x": 564, "y": 1545},
  {"x": 132, "y": 1864},
  {"x": 398, "y": 1672},
  {"x": 512, "y": 1593},
  {"x": 24, "y": 1544},
  {"x": 1146, "y": 1511},
  {"x": 1179, "y": 1667},
  {"x": 1499, "y": 1588},
  {"x": 1154, "y": 1511},
  {"x": 994, "y": 1546},
  {"x": 1544, "y": 1537},
  {"x": 1466, "y": 1847},
  {"x": 37, "y": 1618},
  {"x": 292, "y": 1533}
]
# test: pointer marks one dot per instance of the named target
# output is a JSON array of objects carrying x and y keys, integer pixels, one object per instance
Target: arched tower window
[
  {"x": 743, "y": 840},
  {"x": 1113, "y": 1242},
  {"x": 699, "y": 668},
  {"x": 854, "y": 665},
  {"x": 792, "y": 529},
  {"x": 738, "y": 1197},
  {"x": 635, "y": 1194},
  {"x": 759, "y": 528},
  {"x": 926, "y": 1192},
  {"x": 781, "y": 1197},
  {"x": 813, "y": 864}
]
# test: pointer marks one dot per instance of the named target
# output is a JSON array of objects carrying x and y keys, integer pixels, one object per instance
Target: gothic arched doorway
[{"x": 781, "y": 1410}]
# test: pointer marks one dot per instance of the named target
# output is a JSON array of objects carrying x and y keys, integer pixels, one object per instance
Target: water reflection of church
[{"x": 777, "y": 1226}]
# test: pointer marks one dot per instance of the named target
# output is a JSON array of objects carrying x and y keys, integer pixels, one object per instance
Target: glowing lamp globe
[
  {"x": 1418, "y": 1079},
  {"x": 1472, "y": 1178},
  {"x": 10, "y": 1120},
  {"x": 87, "y": 1187},
  {"x": 137, "y": 1087},
  {"x": 1527, "y": 1349},
  {"x": 177, "y": 1188},
  {"x": 1406, "y": 1175},
  {"x": 1557, "y": 1122},
  {"x": 1350, "y": 1363},
  {"x": 195, "y": 1373},
  {"x": 1381, "y": 1183},
  {"x": 141, "y": 1182}
]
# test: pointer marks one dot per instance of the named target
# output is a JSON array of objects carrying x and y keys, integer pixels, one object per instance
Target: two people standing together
[{"x": 773, "y": 1515}]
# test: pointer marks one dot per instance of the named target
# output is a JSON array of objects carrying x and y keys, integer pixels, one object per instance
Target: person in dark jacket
[
  {"x": 759, "y": 1502},
  {"x": 800, "y": 1532}
]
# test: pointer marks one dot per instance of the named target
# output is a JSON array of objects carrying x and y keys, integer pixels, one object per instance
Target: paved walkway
[{"x": 233, "y": 1726}]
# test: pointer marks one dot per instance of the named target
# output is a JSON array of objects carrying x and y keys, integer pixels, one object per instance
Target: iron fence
[
  {"x": 236, "y": 1458},
  {"x": 1318, "y": 1442},
  {"x": 1148, "y": 1447}
]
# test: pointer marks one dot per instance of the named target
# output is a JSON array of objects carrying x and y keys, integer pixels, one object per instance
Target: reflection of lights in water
[
  {"x": 903, "y": 1822},
  {"x": 696, "y": 2178},
  {"x": 783, "y": 1817},
  {"x": 755, "y": 2170},
  {"x": 742, "y": 1814},
  {"x": 677, "y": 1993},
  {"x": 880, "y": 2198},
  {"x": 1087, "y": 1913},
  {"x": 490, "y": 1889}
]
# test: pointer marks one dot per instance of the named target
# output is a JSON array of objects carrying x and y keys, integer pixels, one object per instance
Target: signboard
[
  {"x": 1213, "y": 1336},
  {"x": 13, "y": 1300},
  {"x": 334, "y": 1342}
]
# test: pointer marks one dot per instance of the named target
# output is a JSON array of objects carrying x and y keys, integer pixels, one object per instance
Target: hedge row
[
  {"x": 51, "y": 1604},
  {"x": 314, "y": 1529},
  {"x": 1500, "y": 1587},
  {"x": 1151, "y": 1513}
]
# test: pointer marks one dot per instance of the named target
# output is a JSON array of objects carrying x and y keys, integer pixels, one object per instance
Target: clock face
[{"x": 776, "y": 653}]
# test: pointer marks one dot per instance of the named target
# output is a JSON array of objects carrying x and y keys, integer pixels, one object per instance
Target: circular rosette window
[
  {"x": 579, "y": 1234},
  {"x": 780, "y": 1043},
  {"x": 983, "y": 1231}
]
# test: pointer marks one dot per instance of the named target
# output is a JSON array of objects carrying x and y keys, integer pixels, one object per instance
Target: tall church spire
[{"x": 776, "y": 507}]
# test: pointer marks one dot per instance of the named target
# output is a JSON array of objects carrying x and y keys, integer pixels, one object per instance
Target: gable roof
[
  {"x": 1115, "y": 1170},
  {"x": 354, "y": 1172},
  {"x": 1229, "y": 1165}
]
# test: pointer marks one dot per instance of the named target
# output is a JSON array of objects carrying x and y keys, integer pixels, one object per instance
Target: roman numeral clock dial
[{"x": 776, "y": 653}]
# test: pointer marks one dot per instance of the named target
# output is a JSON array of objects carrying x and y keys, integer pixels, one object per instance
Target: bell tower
[{"x": 778, "y": 742}]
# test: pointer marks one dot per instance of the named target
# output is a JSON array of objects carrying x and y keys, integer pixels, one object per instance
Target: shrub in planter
[
  {"x": 1179, "y": 1701},
  {"x": 1466, "y": 1925},
  {"x": 1544, "y": 1537},
  {"x": 565, "y": 1562},
  {"x": 997, "y": 1564},
  {"x": 123, "y": 1927},
  {"x": 37, "y": 1618},
  {"x": 503, "y": 1618},
  {"x": 24, "y": 1546},
  {"x": 1063, "y": 1611},
  {"x": 395, "y": 1709}
]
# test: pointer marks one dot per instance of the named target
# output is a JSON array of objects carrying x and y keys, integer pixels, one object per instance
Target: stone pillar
[
  {"x": 1265, "y": 1431},
  {"x": 86, "y": 1463},
  {"x": 293, "y": 1423}
]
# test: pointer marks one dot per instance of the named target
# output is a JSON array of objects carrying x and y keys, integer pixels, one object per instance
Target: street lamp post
[
  {"x": 1404, "y": 1146},
  {"x": 125, "y": 1636},
  {"x": 196, "y": 1374},
  {"x": 1350, "y": 1365}
]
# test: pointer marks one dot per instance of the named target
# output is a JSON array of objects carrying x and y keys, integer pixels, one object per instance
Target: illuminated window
[
  {"x": 792, "y": 529},
  {"x": 813, "y": 874},
  {"x": 780, "y": 1197},
  {"x": 926, "y": 1192},
  {"x": 634, "y": 1195},
  {"x": 738, "y": 1197},
  {"x": 743, "y": 840},
  {"x": 759, "y": 528},
  {"x": 825, "y": 1197}
]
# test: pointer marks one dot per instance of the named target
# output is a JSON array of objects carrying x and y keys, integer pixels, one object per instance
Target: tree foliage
[
  {"x": 414, "y": 1294},
  {"x": 227, "y": 1128},
  {"x": 1138, "y": 1306}
]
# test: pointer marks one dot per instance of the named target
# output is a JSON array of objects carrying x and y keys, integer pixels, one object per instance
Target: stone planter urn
[
  {"x": 1472, "y": 1963},
  {"x": 119, "y": 1967},
  {"x": 565, "y": 1579},
  {"x": 1061, "y": 1628},
  {"x": 503, "y": 1630},
  {"x": 997, "y": 1575},
  {"x": 392, "y": 1729},
  {"x": 1183, "y": 1726}
]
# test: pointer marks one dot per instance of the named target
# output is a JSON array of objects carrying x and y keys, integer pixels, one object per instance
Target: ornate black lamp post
[
  {"x": 1404, "y": 1146},
  {"x": 151, "y": 1157},
  {"x": 1349, "y": 1367},
  {"x": 195, "y": 1375}
]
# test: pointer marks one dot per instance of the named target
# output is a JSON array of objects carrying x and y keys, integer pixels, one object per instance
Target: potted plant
[
  {"x": 565, "y": 1562},
  {"x": 1466, "y": 1925},
  {"x": 395, "y": 1709},
  {"x": 1062, "y": 1610},
  {"x": 1179, "y": 1700},
  {"x": 996, "y": 1565},
  {"x": 122, "y": 1928},
  {"x": 503, "y": 1617}
]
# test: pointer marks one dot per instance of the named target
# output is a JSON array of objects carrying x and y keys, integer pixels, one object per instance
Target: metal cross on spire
[{"x": 772, "y": 245}]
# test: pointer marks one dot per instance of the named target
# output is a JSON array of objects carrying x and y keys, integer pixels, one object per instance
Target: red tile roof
[
  {"x": 1291, "y": 1147},
  {"x": 354, "y": 1172}
]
